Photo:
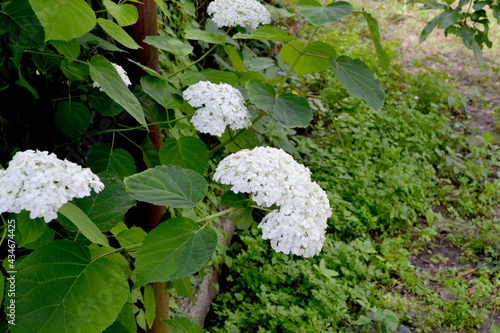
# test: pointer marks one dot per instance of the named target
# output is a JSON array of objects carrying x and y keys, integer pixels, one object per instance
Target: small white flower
[
  {"x": 275, "y": 178},
  {"x": 221, "y": 105},
  {"x": 122, "y": 74},
  {"x": 41, "y": 183},
  {"x": 230, "y": 13}
]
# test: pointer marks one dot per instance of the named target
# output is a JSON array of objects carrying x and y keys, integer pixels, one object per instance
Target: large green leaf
[
  {"x": 187, "y": 152},
  {"x": 70, "y": 48},
  {"x": 287, "y": 109},
  {"x": 315, "y": 57},
  {"x": 107, "y": 207},
  {"x": 242, "y": 218},
  {"x": 358, "y": 79},
  {"x": 319, "y": 15},
  {"x": 234, "y": 57},
  {"x": 267, "y": 33},
  {"x": 103, "y": 72},
  {"x": 383, "y": 57},
  {"x": 30, "y": 230},
  {"x": 183, "y": 325},
  {"x": 61, "y": 289},
  {"x": 64, "y": 19},
  {"x": 19, "y": 20},
  {"x": 215, "y": 76},
  {"x": 118, "y": 161},
  {"x": 83, "y": 223},
  {"x": 125, "y": 14},
  {"x": 169, "y": 44},
  {"x": 174, "y": 249},
  {"x": 104, "y": 105},
  {"x": 246, "y": 140},
  {"x": 205, "y": 36},
  {"x": 120, "y": 35},
  {"x": 72, "y": 118},
  {"x": 183, "y": 287},
  {"x": 168, "y": 186},
  {"x": 162, "y": 92}
]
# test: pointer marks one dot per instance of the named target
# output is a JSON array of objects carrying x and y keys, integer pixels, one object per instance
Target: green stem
[
  {"x": 219, "y": 214},
  {"x": 261, "y": 208},
  {"x": 197, "y": 61},
  {"x": 225, "y": 143},
  {"x": 301, "y": 52},
  {"x": 132, "y": 247}
]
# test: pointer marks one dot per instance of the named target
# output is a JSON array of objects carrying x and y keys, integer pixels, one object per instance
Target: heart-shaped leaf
[
  {"x": 168, "y": 186},
  {"x": 358, "y": 79},
  {"x": 319, "y": 15},
  {"x": 287, "y": 109},
  {"x": 174, "y": 249}
]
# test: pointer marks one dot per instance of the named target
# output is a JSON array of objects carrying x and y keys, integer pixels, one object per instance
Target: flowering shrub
[{"x": 79, "y": 280}]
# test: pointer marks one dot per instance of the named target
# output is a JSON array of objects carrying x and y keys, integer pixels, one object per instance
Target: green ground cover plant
[{"x": 415, "y": 228}]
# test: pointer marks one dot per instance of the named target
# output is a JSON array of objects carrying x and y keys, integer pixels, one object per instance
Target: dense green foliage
[{"x": 400, "y": 180}]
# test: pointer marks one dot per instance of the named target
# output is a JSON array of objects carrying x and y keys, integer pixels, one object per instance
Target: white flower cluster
[
  {"x": 221, "y": 104},
  {"x": 122, "y": 74},
  {"x": 275, "y": 178},
  {"x": 230, "y": 13},
  {"x": 41, "y": 183}
]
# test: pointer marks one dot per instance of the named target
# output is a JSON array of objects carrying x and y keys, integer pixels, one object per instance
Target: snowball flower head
[
  {"x": 122, "y": 74},
  {"x": 221, "y": 105},
  {"x": 41, "y": 183},
  {"x": 298, "y": 226},
  {"x": 230, "y": 13}
]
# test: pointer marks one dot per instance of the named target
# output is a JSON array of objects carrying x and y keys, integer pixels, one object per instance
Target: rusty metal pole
[{"x": 148, "y": 56}]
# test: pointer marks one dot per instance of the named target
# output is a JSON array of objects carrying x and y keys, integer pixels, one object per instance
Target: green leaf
[
  {"x": 149, "y": 304},
  {"x": 183, "y": 325},
  {"x": 383, "y": 57},
  {"x": 64, "y": 19},
  {"x": 120, "y": 35},
  {"x": 244, "y": 77},
  {"x": 20, "y": 21},
  {"x": 358, "y": 79},
  {"x": 362, "y": 320},
  {"x": 448, "y": 18},
  {"x": 125, "y": 14},
  {"x": 234, "y": 57},
  {"x": 287, "y": 109},
  {"x": 183, "y": 287},
  {"x": 246, "y": 140},
  {"x": 70, "y": 48},
  {"x": 2, "y": 286},
  {"x": 72, "y": 118},
  {"x": 75, "y": 71},
  {"x": 104, "y": 105},
  {"x": 168, "y": 186},
  {"x": 127, "y": 319},
  {"x": 187, "y": 152},
  {"x": 83, "y": 223},
  {"x": 232, "y": 199},
  {"x": 162, "y": 92},
  {"x": 48, "y": 63},
  {"x": 426, "y": 31},
  {"x": 242, "y": 218},
  {"x": 486, "y": 138},
  {"x": 30, "y": 230},
  {"x": 149, "y": 70},
  {"x": 132, "y": 236},
  {"x": 107, "y": 207},
  {"x": 319, "y": 15},
  {"x": 103, "y": 72},
  {"x": 215, "y": 76},
  {"x": 202, "y": 35},
  {"x": 267, "y": 33},
  {"x": 104, "y": 44},
  {"x": 310, "y": 62},
  {"x": 149, "y": 153},
  {"x": 119, "y": 161},
  {"x": 46, "y": 238},
  {"x": 169, "y": 44},
  {"x": 478, "y": 53},
  {"x": 61, "y": 289},
  {"x": 174, "y": 249}
]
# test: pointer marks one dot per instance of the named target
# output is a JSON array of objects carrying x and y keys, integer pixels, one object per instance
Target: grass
[{"x": 414, "y": 240}]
